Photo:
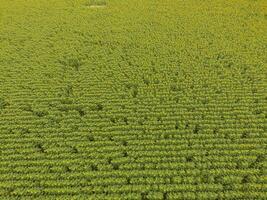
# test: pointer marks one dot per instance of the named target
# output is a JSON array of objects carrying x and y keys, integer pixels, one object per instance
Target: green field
[{"x": 133, "y": 99}]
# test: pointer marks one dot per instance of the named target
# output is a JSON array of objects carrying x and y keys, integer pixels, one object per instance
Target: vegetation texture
[{"x": 133, "y": 99}]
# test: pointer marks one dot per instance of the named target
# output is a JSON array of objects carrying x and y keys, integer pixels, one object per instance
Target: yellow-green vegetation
[
  {"x": 97, "y": 3},
  {"x": 143, "y": 99}
]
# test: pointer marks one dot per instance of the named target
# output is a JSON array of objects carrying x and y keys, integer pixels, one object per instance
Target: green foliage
[
  {"x": 139, "y": 100},
  {"x": 3, "y": 103},
  {"x": 97, "y": 2}
]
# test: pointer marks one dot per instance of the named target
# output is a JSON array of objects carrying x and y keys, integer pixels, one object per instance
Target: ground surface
[{"x": 139, "y": 99}]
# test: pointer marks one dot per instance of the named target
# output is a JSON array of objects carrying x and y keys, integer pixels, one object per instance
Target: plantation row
[{"x": 110, "y": 99}]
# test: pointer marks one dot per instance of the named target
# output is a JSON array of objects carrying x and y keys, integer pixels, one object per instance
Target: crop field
[{"x": 133, "y": 99}]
